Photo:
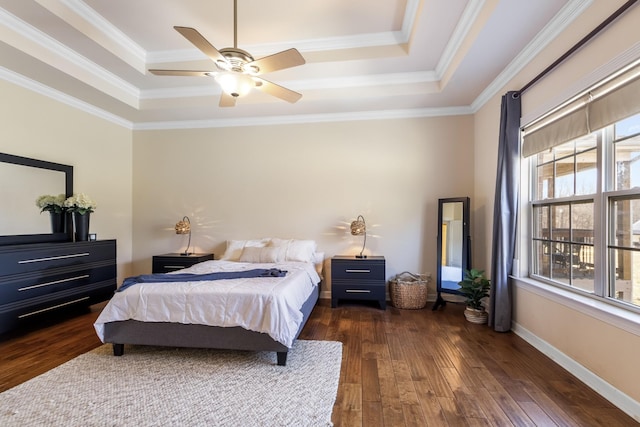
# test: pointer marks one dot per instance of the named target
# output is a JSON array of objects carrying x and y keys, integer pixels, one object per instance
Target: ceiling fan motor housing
[{"x": 237, "y": 58}]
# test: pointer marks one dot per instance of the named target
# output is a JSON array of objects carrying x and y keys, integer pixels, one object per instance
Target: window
[{"x": 587, "y": 191}]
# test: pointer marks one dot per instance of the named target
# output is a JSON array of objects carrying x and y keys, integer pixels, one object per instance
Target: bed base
[{"x": 199, "y": 336}]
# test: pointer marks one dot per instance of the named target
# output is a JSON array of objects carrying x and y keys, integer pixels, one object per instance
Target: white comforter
[{"x": 269, "y": 305}]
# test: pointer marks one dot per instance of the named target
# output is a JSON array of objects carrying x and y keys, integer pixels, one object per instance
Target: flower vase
[
  {"x": 81, "y": 222},
  {"x": 57, "y": 222}
]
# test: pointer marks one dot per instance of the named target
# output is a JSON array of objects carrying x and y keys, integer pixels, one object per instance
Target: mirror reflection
[
  {"x": 452, "y": 245},
  {"x": 23, "y": 185}
]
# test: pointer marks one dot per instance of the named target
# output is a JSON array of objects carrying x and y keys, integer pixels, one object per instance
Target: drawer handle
[
  {"x": 358, "y": 291},
  {"x": 175, "y": 267},
  {"x": 357, "y": 271},
  {"x": 69, "y": 279},
  {"x": 29, "y": 261},
  {"x": 52, "y": 308}
]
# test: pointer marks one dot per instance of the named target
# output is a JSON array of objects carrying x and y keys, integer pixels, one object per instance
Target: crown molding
[
  {"x": 305, "y": 119},
  {"x": 102, "y": 31},
  {"x": 63, "y": 98},
  {"x": 30, "y": 39},
  {"x": 470, "y": 14}
]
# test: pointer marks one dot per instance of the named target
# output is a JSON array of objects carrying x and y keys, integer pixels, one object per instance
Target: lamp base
[
  {"x": 361, "y": 256},
  {"x": 186, "y": 253}
]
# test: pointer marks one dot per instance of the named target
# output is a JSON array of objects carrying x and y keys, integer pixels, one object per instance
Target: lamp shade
[
  {"x": 359, "y": 228},
  {"x": 184, "y": 227},
  {"x": 234, "y": 83}
]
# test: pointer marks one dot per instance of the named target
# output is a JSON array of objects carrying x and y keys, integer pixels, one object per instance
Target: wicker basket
[{"x": 409, "y": 291}]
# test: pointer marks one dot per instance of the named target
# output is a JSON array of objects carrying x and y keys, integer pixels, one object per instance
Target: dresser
[
  {"x": 358, "y": 279},
  {"x": 172, "y": 262},
  {"x": 42, "y": 277}
]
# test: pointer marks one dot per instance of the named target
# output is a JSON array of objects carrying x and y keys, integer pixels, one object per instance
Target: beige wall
[
  {"x": 302, "y": 181},
  {"x": 601, "y": 346},
  {"x": 99, "y": 151}
]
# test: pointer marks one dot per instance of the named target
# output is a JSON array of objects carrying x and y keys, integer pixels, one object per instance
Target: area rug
[{"x": 156, "y": 386}]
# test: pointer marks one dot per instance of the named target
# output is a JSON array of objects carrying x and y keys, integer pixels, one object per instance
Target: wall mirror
[
  {"x": 24, "y": 180},
  {"x": 454, "y": 246}
]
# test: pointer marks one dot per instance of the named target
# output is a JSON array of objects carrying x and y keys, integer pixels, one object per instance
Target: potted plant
[
  {"x": 475, "y": 287},
  {"x": 81, "y": 206},
  {"x": 55, "y": 206}
]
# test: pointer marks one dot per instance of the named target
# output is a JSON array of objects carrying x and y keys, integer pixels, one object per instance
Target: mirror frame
[
  {"x": 466, "y": 246},
  {"x": 68, "y": 181}
]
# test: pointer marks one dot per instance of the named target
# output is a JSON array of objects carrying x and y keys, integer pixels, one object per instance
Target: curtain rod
[{"x": 578, "y": 45}]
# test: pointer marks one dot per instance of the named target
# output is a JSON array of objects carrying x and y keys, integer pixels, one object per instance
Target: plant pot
[
  {"x": 58, "y": 223},
  {"x": 476, "y": 316},
  {"x": 81, "y": 222}
]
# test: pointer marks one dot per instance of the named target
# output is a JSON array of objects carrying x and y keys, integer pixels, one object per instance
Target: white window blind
[{"x": 613, "y": 99}]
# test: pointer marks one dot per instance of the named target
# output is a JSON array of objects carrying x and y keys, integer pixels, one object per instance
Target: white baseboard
[{"x": 603, "y": 388}]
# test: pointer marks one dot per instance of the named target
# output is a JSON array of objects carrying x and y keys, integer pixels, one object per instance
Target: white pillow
[
  {"x": 235, "y": 247},
  {"x": 264, "y": 254},
  {"x": 296, "y": 250}
]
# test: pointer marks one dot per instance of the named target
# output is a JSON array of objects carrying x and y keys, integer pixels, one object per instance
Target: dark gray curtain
[{"x": 505, "y": 213}]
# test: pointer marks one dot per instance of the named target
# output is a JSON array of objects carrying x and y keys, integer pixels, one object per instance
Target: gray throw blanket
[{"x": 190, "y": 277}]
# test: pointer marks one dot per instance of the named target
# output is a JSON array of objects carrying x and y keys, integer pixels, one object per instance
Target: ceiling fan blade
[
  {"x": 190, "y": 73},
  {"x": 201, "y": 43},
  {"x": 277, "y": 90},
  {"x": 227, "y": 100},
  {"x": 278, "y": 61}
]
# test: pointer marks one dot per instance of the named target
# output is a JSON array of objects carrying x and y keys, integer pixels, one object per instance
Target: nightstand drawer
[
  {"x": 172, "y": 262},
  {"x": 358, "y": 271},
  {"x": 355, "y": 291}
]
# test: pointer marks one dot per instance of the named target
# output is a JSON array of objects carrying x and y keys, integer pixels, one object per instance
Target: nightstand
[
  {"x": 172, "y": 262},
  {"x": 358, "y": 279}
]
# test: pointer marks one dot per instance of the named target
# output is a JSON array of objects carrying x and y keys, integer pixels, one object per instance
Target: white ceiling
[{"x": 364, "y": 58}]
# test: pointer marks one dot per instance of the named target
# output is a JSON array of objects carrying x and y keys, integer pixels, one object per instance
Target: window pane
[
  {"x": 586, "y": 172},
  {"x": 627, "y": 158},
  {"x": 560, "y": 222},
  {"x": 564, "y": 180},
  {"x": 563, "y": 150},
  {"x": 545, "y": 181},
  {"x": 626, "y": 278},
  {"x": 628, "y": 127},
  {"x": 541, "y": 258},
  {"x": 544, "y": 157},
  {"x": 625, "y": 216},
  {"x": 624, "y": 261},
  {"x": 586, "y": 142},
  {"x": 561, "y": 265},
  {"x": 582, "y": 267},
  {"x": 541, "y": 222}
]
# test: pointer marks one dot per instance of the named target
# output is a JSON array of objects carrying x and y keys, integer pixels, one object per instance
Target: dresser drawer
[
  {"x": 31, "y": 258},
  {"x": 36, "y": 279},
  {"x": 34, "y": 284}
]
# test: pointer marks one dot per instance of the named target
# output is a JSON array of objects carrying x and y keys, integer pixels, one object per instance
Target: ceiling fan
[{"x": 237, "y": 72}]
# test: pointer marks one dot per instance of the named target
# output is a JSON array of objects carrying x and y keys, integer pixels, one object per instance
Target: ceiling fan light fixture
[{"x": 235, "y": 84}]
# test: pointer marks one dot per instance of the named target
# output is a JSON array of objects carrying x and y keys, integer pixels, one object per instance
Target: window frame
[{"x": 603, "y": 286}]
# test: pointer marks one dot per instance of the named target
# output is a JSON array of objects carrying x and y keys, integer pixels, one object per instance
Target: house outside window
[{"x": 585, "y": 210}]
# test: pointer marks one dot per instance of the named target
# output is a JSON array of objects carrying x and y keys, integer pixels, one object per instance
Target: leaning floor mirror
[{"x": 454, "y": 246}]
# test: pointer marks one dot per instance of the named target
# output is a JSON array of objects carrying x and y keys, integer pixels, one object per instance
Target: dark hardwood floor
[{"x": 400, "y": 368}]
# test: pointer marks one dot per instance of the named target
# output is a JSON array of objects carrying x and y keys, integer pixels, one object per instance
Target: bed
[{"x": 257, "y": 314}]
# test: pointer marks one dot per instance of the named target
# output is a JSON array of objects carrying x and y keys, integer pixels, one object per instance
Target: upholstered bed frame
[{"x": 199, "y": 336}]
